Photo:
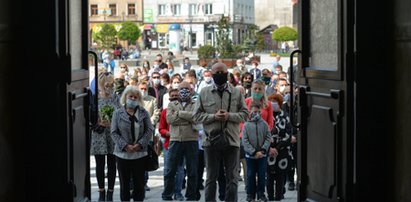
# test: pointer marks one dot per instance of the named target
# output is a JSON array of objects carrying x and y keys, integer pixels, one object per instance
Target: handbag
[
  {"x": 218, "y": 139},
  {"x": 152, "y": 159}
]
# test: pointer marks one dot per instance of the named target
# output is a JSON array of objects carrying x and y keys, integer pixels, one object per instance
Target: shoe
[
  {"x": 222, "y": 198},
  {"x": 291, "y": 186},
  {"x": 263, "y": 198},
  {"x": 278, "y": 197},
  {"x": 102, "y": 195},
  {"x": 167, "y": 198},
  {"x": 109, "y": 196},
  {"x": 146, "y": 188},
  {"x": 271, "y": 198},
  {"x": 178, "y": 197},
  {"x": 240, "y": 178},
  {"x": 250, "y": 198}
]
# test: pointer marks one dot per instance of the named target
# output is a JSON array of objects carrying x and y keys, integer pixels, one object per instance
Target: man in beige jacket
[
  {"x": 221, "y": 107},
  {"x": 183, "y": 143}
]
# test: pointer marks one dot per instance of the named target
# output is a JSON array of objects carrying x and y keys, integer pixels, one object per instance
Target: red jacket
[
  {"x": 266, "y": 114},
  {"x": 164, "y": 128}
]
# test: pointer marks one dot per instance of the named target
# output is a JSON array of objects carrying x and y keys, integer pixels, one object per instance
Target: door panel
[
  {"x": 320, "y": 154},
  {"x": 322, "y": 92}
]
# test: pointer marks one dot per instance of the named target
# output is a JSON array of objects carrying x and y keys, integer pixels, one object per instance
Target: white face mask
[
  {"x": 144, "y": 93},
  {"x": 175, "y": 85},
  {"x": 282, "y": 88},
  {"x": 156, "y": 81},
  {"x": 208, "y": 79}
]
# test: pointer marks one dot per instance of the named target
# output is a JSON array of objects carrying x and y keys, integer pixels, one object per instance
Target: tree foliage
[
  {"x": 106, "y": 37},
  {"x": 285, "y": 34},
  {"x": 206, "y": 51},
  {"x": 224, "y": 43},
  {"x": 129, "y": 31}
]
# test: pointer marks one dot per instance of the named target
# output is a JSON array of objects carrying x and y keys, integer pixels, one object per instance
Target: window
[
  {"x": 193, "y": 37},
  {"x": 94, "y": 9},
  {"x": 131, "y": 9},
  {"x": 192, "y": 9},
  {"x": 161, "y": 9},
  {"x": 208, "y": 9},
  {"x": 113, "y": 8},
  {"x": 177, "y": 9}
]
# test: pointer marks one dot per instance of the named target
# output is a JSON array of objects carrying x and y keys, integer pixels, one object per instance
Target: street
[{"x": 155, "y": 182}]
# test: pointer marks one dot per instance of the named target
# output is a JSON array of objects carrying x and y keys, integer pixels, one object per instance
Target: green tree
[
  {"x": 285, "y": 34},
  {"x": 106, "y": 37},
  {"x": 206, "y": 51},
  {"x": 129, "y": 32},
  {"x": 224, "y": 43}
]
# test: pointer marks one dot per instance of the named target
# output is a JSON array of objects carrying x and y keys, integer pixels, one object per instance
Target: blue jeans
[
  {"x": 179, "y": 175},
  {"x": 259, "y": 167},
  {"x": 176, "y": 152}
]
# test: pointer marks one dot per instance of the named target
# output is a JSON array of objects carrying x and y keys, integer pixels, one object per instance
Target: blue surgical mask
[
  {"x": 131, "y": 104},
  {"x": 275, "y": 106}
]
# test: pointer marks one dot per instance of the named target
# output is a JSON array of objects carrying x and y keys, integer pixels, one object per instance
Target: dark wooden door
[
  {"x": 78, "y": 98},
  {"x": 323, "y": 82}
]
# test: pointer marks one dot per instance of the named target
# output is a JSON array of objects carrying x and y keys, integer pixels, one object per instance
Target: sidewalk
[{"x": 155, "y": 182}]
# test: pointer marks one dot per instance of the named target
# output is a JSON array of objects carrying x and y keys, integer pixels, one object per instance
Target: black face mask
[{"x": 220, "y": 79}]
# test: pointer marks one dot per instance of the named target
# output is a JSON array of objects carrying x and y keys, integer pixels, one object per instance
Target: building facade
[
  {"x": 275, "y": 12},
  {"x": 197, "y": 20},
  {"x": 115, "y": 12}
]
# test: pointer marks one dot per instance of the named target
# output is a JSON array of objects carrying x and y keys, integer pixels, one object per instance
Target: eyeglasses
[{"x": 155, "y": 77}]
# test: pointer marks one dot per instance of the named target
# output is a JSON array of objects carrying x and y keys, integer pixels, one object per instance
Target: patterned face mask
[
  {"x": 255, "y": 116},
  {"x": 184, "y": 94}
]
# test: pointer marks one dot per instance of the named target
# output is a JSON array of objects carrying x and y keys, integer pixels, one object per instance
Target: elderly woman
[
  {"x": 131, "y": 130},
  {"x": 102, "y": 146}
]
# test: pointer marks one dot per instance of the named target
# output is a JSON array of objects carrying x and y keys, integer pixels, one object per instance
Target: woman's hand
[
  {"x": 105, "y": 123},
  {"x": 129, "y": 148},
  {"x": 273, "y": 152}
]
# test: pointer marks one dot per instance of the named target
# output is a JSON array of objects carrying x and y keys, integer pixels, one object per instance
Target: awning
[{"x": 148, "y": 26}]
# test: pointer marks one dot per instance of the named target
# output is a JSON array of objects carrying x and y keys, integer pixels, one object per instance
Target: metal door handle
[{"x": 296, "y": 125}]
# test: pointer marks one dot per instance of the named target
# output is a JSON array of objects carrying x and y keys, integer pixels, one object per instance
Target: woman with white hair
[{"x": 131, "y": 130}]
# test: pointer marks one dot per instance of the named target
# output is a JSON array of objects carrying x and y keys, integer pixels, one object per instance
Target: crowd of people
[{"x": 215, "y": 119}]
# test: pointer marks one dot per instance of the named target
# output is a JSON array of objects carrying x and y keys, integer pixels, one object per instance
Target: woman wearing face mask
[
  {"x": 131, "y": 130},
  {"x": 258, "y": 96},
  {"x": 146, "y": 66},
  {"x": 165, "y": 80},
  {"x": 279, "y": 154},
  {"x": 102, "y": 146}
]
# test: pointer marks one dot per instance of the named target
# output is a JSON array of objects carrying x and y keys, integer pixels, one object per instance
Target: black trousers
[
  {"x": 111, "y": 170},
  {"x": 293, "y": 163},
  {"x": 131, "y": 169},
  {"x": 278, "y": 176}
]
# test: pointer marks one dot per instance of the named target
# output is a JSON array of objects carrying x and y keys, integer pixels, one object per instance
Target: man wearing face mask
[
  {"x": 183, "y": 143},
  {"x": 159, "y": 90},
  {"x": 221, "y": 107},
  {"x": 206, "y": 81}
]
